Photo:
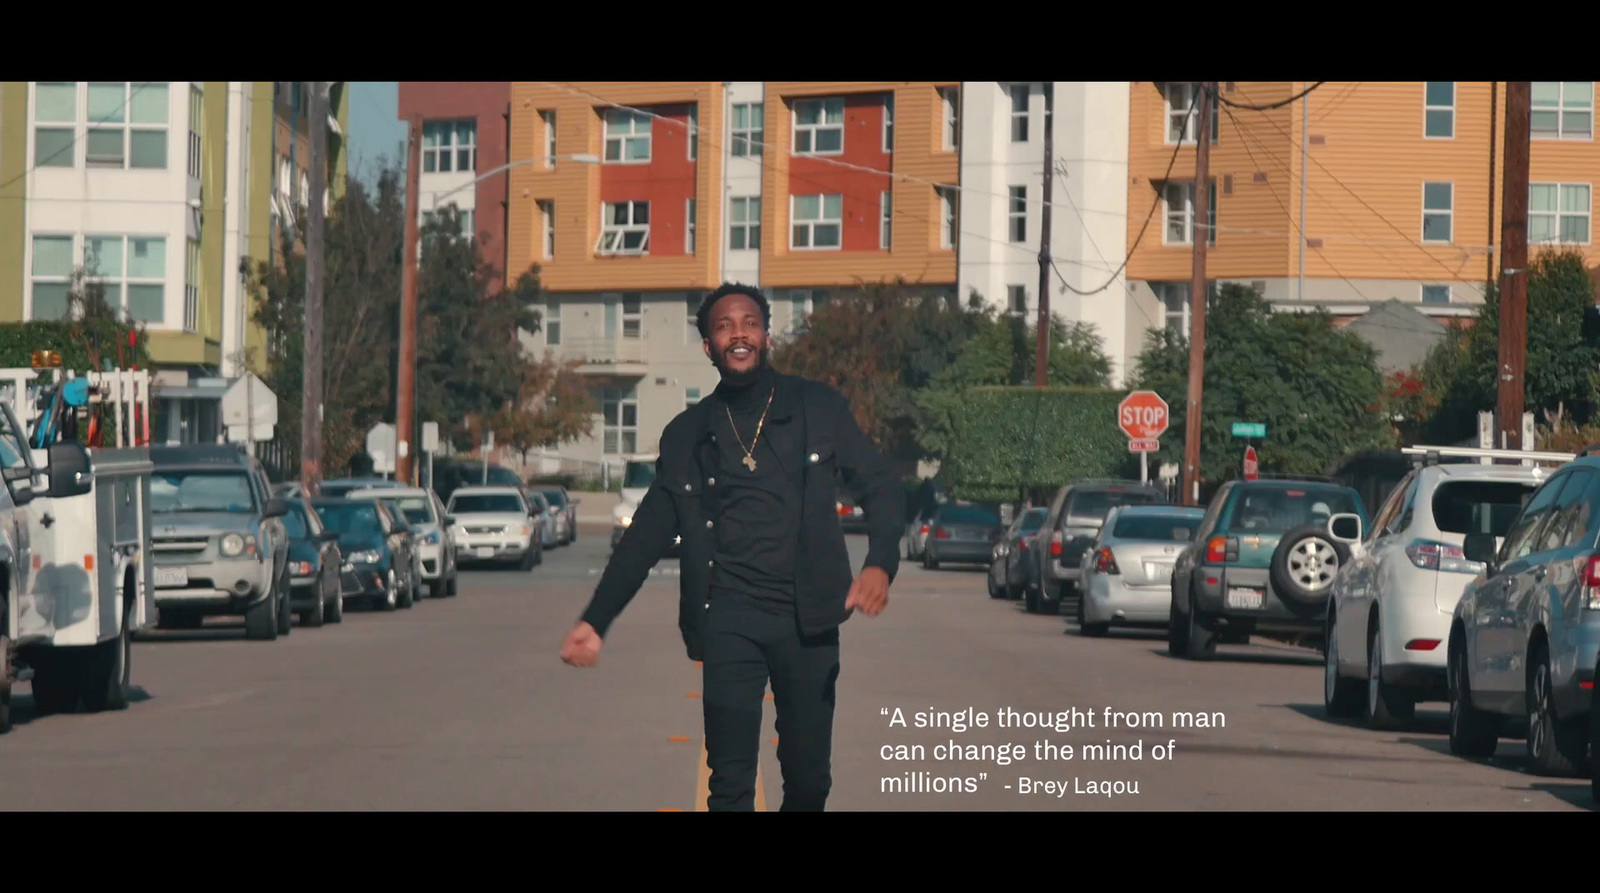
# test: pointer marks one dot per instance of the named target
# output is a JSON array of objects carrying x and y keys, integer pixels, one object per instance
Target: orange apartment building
[
  {"x": 1395, "y": 188},
  {"x": 649, "y": 195}
]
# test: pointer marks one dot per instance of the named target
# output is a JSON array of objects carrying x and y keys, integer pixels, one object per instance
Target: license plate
[
  {"x": 1246, "y": 599},
  {"x": 1157, "y": 571},
  {"x": 172, "y": 576},
  {"x": 486, "y": 551}
]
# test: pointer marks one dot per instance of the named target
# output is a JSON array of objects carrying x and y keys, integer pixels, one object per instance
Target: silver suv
[{"x": 219, "y": 544}]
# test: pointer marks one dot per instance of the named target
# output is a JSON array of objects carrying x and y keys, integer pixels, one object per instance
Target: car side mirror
[
  {"x": 275, "y": 508},
  {"x": 69, "y": 469},
  {"x": 1480, "y": 547},
  {"x": 449, "y": 520},
  {"x": 1345, "y": 528}
]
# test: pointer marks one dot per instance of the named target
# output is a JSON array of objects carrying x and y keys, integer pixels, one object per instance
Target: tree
[
  {"x": 1460, "y": 371},
  {"x": 1316, "y": 387}
]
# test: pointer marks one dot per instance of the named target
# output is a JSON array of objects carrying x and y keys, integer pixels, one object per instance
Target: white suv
[{"x": 1390, "y": 610}]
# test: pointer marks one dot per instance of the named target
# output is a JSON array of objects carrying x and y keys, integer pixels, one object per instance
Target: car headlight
[
  {"x": 233, "y": 545},
  {"x": 625, "y": 520},
  {"x": 433, "y": 538},
  {"x": 367, "y": 557},
  {"x": 301, "y": 568},
  {"x": 527, "y": 530}
]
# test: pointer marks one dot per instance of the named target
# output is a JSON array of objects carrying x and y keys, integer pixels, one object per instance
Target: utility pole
[
  {"x": 1514, "y": 264},
  {"x": 1041, "y": 363},
  {"x": 311, "y": 384},
  {"x": 1201, "y": 234},
  {"x": 1494, "y": 111},
  {"x": 406, "y": 391}
]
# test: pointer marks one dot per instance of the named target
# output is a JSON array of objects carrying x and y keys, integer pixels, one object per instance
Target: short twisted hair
[{"x": 703, "y": 318}]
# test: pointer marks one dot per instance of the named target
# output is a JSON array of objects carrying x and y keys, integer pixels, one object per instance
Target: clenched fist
[{"x": 582, "y": 646}]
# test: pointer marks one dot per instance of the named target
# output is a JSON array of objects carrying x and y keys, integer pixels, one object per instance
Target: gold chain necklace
[{"x": 749, "y": 454}]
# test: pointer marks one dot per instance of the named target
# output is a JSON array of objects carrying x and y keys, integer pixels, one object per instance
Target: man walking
[{"x": 746, "y": 478}]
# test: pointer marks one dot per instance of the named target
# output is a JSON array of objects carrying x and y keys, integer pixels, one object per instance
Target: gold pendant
[{"x": 750, "y": 462}]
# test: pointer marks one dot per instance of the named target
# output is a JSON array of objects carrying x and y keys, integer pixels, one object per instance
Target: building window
[
  {"x": 818, "y": 221},
  {"x": 133, "y": 272},
  {"x": 1438, "y": 205},
  {"x": 749, "y": 129},
  {"x": 688, "y": 229},
  {"x": 55, "y": 103},
  {"x": 1019, "y": 113},
  {"x": 625, "y": 228},
  {"x": 693, "y": 137},
  {"x": 1175, "y": 301},
  {"x": 888, "y": 124},
  {"x": 197, "y": 113},
  {"x": 803, "y": 302},
  {"x": 627, "y": 136},
  {"x": 552, "y": 324},
  {"x": 1183, "y": 114},
  {"x": 1439, "y": 110},
  {"x": 52, "y": 276},
  {"x": 449, "y": 146},
  {"x": 549, "y": 119},
  {"x": 744, "y": 223},
  {"x": 632, "y": 314},
  {"x": 947, "y": 207},
  {"x": 620, "y": 412},
  {"x": 819, "y": 126},
  {"x": 547, "y": 222},
  {"x": 1436, "y": 294},
  {"x": 1558, "y": 213},
  {"x": 951, "y": 100},
  {"x": 1018, "y": 215},
  {"x": 191, "y": 287},
  {"x": 1016, "y": 299},
  {"x": 1179, "y": 199},
  {"x": 127, "y": 126},
  {"x": 1563, "y": 110},
  {"x": 691, "y": 396},
  {"x": 885, "y": 214}
]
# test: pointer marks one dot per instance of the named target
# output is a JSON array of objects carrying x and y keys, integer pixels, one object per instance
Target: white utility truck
[{"x": 75, "y": 574}]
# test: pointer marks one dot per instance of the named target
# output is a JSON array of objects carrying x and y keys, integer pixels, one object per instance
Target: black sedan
[
  {"x": 316, "y": 587},
  {"x": 377, "y": 544}
]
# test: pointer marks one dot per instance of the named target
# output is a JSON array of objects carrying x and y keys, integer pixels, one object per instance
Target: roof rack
[
  {"x": 1317, "y": 478},
  {"x": 1432, "y": 454}
]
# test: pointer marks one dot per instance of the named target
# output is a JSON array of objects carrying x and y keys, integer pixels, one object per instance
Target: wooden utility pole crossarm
[
  {"x": 406, "y": 386},
  {"x": 1200, "y": 232},
  {"x": 1514, "y": 265},
  {"x": 311, "y": 363}
]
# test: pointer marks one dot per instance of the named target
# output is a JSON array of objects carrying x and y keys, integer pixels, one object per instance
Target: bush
[{"x": 1007, "y": 440}]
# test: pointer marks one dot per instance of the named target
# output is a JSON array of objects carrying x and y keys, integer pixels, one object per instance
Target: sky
[{"x": 376, "y": 131}]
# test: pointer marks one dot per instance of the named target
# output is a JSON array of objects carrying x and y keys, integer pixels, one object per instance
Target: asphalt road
[{"x": 463, "y": 703}]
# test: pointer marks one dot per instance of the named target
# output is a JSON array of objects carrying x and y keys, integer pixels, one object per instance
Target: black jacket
[{"x": 683, "y": 501}]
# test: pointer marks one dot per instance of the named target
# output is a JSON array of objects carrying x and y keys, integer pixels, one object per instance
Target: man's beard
[{"x": 733, "y": 378}]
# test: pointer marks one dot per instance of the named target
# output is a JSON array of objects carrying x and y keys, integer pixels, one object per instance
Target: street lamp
[{"x": 406, "y": 387}]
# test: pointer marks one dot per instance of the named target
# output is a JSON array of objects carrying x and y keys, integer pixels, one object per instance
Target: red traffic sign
[
  {"x": 1144, "y": 445},
  {"x": 1252, "y": 468},
  {"x": 1142, "y": 415}
]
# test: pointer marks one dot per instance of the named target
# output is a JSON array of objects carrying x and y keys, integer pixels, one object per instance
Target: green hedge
[
  {"x": 1008, "y": 439},
  {"x": 78, "y": 342}
]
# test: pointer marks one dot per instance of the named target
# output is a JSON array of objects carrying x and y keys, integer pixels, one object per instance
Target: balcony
[{"x": 620, "y": 357}]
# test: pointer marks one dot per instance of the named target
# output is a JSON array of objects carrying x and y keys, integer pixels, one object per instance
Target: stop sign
[
  {"x": 1142, "y": 415},
  {"x": 1252, "y": 468}
]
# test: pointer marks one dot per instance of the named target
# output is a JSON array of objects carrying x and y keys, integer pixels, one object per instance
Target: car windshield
[
  {"x": 417, "y": 509},
  {"x": 1096, "y": 504},
  {"x": 555, "y": 497},
  {"x": 172, "y": 492},
  {"x": 1272, "y": 510},
  {"x": 294, "y": 521},
  {"x": 1032, "y": 520},
  {"x": 1161, "y": 528},
  {"x": 1479, "y": 506},
  {"x": 968, "y": 514},
  {"x": 351, "y": 517},
  {"x": 639, "y": 475},
  {"x": 495, "y": 503}
]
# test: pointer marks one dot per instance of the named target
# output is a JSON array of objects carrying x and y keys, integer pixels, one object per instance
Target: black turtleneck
[{"x": 759, "y": 521}]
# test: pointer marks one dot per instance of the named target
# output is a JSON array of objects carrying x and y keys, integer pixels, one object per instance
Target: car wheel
[
  {"x": 1305, "y": 563},
  {"x": 1201, "y": 642},
  {"x": 1473, "y": 733},
  {"x": 1556, "y": 744},
  {"x": 1386, "y": 708},
  {"x": 1341, "y": 695}
]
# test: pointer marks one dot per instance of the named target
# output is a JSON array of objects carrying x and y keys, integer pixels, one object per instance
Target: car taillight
[
  {"x": 1104, "y": 563},
  {"x": 941, "y": 534},
  {"x": 1433, "y": 556},
  {"x": 924, "y": 530},
  {"x": 1591, "y": 584},
  {"x": 1222, "y": 549},
  {"x": 1055, "y": 543}
]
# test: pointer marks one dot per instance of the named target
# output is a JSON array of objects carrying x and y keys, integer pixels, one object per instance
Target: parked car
[
  {"x": 852, "y": 517},
  {"x": 1264, "y": 557},
  {"x": 341, "y": 486},
  {"x": 1076, "y": 514},
  {"x": 219, "y": 545},
  {"x": 1127, "y": 575},
  {"x": 497, "y": 526},
  {"x": 963, "y": 533},
  {"x": 567, "y": 506},
  {"x": 433, "y": 530},
  {"x": 377, "y": 543},
  {"x": 1391, "y": 606},
  {"x": 1525, "y": 635},
  {"x": 1008, "y": 573},
  {"x": 315, "y": 562},
  {"x": 551, "y": 524}
]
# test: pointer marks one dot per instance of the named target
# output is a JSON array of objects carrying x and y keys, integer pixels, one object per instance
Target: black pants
[{"x": 747, "y": 644}]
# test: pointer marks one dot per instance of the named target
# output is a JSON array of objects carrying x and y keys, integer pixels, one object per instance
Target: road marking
[
  {"x": 703, "y": 791},
  {"x": 679, "y": 738},
  {"x": 692, "y": 694}
]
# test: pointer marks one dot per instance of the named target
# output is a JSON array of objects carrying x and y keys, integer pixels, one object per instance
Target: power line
[
  {"x": 1218, "y": 97},
  {"x": 74, "y": 141}
]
